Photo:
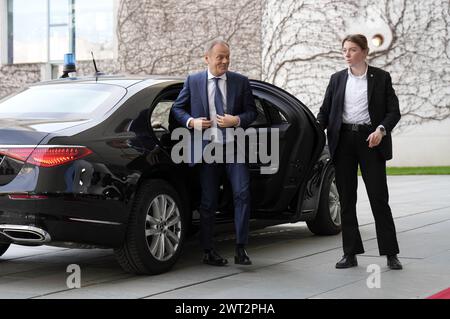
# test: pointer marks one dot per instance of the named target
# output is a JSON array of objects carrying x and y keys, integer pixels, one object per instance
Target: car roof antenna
[{"x": 97, "y": 72}]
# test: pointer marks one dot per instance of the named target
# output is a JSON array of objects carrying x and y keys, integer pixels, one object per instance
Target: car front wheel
[
  {"x": 155, "y": 232},
  {"x": 328, "y": 218},
  {"x": 3, "y": 248}
]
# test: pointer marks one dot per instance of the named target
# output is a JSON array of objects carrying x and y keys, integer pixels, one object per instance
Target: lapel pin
[{"x": 371, "y": 75}]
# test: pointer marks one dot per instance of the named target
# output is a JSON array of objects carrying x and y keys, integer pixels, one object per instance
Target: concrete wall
[
  {"x": 427, "y": 144},
  {"x": 163, "y": 37},
  {"x": 169, "y": 37},
  {"x": 15, "y": 77},
  {"x": 295, "y": 45},
  {"x": 302, "y": 48}
]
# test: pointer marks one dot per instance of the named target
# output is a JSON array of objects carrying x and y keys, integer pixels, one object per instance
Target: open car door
[{"x": 298, "y": 144}]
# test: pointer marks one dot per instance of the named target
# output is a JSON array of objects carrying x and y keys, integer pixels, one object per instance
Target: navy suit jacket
[
  {"x": 193, "y": 99},
  {"x": 383, "y": 107}
]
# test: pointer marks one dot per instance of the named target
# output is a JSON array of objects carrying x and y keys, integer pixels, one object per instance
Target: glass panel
[
  {"x": 29, "y": 31},
  {"x": 61, "y": 101},
  {"x": 94, "y": 29},
  {"x": 59, "y": 42},
  {"x": 261, "y": 117},
  {"x": 160, "y": 115},
  {"x": 59, "y": 11}
]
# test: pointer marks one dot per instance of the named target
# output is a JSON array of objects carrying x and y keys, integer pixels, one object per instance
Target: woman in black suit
[{"x": 359, "y": 111}]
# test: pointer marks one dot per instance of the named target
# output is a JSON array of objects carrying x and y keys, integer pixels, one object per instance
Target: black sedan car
[{"x": 87, "y": 163}]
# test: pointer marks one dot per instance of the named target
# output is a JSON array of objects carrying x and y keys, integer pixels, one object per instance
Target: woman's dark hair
[{"x": 358, "y": 39}]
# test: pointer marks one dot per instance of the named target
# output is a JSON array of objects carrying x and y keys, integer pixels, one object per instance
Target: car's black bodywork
[{"x": 93, "y": 200}]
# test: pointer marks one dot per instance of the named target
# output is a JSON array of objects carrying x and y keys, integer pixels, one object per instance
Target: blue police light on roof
[
  {"x": 69, "y": 65},
  {"x": 69, "y": 59}
]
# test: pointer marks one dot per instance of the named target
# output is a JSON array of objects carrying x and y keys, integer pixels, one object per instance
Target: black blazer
[{"x": 383, "y": 107}]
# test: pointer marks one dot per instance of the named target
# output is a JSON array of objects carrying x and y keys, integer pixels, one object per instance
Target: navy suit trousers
[{"x": 210, "y": 178}]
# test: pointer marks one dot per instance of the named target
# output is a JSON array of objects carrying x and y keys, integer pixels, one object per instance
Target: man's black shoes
[
  {"x": 241, "y": 257},
  {"x": 393, "y": 262},
  {"x": 211, "y": 257},
  {"x": 347, "y": 261}
]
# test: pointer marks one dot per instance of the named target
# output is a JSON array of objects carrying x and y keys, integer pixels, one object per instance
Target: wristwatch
[{"x": 382, "y": 129}]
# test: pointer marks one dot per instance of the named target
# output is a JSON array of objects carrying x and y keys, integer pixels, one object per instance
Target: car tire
[
  {"x": 3, "y": 248},
  {"x": 328, "y": 217},
  {"x": 156, "y": 230}
]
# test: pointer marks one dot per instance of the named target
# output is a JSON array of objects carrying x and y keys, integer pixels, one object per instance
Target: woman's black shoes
[
  {"x": 393, "y": 262},
  {"x": 347, "y": 261}
]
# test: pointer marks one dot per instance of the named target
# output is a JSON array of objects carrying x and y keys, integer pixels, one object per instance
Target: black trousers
[{"x": 352, "y": 150}]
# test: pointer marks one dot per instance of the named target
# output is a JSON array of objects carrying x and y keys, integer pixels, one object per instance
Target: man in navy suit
[{"x": 218, "y": 99}]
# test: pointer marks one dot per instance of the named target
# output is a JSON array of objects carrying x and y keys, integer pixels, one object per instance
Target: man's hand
[
  {"x": 227, "y": 120},
  {"x": 200, "y": 123},
  {"x": 375, "y": 138}
]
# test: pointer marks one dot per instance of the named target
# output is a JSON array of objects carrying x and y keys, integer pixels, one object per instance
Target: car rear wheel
[
  {"x": 328, "y": 218},
  {"x": 3, "y": 248},
  {"x": 155, "y": 232}
]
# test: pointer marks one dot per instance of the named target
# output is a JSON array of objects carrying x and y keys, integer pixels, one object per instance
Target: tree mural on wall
[
  {"x": 301, "y": 49},
  {"x": 169, "y": 37}
]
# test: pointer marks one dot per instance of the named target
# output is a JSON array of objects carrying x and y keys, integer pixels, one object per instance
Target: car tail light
[
  {"x": 54, "y": 156},
  {"x": 46, "y": 156},
  {"x": 18, "y": 153},
  {"x": 26, "y": 196}
]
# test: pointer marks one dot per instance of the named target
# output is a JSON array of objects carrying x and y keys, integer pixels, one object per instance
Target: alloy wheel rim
[
  {"x": 163, "y": 227},
  {"x": 334, "y": 204}
]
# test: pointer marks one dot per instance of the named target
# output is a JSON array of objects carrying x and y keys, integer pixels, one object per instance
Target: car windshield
[{"x": 61, "y": 101}]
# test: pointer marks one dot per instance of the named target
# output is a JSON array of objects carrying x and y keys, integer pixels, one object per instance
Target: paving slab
[{"x": 288, "y": 260}]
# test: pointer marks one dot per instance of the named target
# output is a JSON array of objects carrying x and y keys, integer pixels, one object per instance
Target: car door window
[
  {"x": 159, "y": 118},
  {"x": 261, "y": 119},
  {"x": 268, "y": 114}
]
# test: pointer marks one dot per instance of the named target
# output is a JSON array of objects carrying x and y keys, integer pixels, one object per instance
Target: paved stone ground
[{"x": 288, "y": 261}]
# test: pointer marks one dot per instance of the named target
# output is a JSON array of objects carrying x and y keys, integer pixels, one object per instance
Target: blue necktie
[{"x": 218, "y": 102}]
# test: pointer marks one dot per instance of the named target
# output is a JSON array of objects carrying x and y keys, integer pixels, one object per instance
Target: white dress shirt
[{"x": 356, "y": 103}]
